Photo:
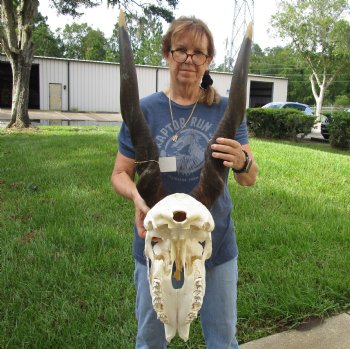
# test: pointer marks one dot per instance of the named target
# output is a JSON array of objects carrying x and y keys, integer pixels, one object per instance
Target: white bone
[{"x": 178, "y": 233}]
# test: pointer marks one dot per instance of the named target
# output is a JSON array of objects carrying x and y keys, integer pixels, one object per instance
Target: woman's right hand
[
  {"x": 141, "y": 210},
  {"x": 123, "y": 183}
]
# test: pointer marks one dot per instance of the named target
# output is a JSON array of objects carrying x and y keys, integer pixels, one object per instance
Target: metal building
[{"x": 88, "y": 86}]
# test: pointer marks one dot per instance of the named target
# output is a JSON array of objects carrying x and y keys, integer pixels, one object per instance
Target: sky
[{"x": 218, "y": 15}]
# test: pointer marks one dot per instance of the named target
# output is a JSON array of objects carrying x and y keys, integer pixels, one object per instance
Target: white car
[{"x": 294, "y": 105}]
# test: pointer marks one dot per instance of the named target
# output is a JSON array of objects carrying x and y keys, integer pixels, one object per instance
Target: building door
[
  {"x": 6, "y": 86},
  {"x": 55, "y": 98},
  {"x": 260, "y": 93}
]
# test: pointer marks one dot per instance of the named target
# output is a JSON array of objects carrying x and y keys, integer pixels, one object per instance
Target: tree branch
[
  {"x": 26, "y": 13},
  {"x": 9, "y": 25},
  {"x": 331, "y": 80}
]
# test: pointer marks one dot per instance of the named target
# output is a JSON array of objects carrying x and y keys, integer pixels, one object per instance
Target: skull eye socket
[{"x": 179, "y": 216}]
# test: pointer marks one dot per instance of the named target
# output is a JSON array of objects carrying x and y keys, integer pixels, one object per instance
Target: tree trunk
[
  {"x": 21, "y": 66},
  {"x": 16, "y": 30},
  {"x": 318, "y": 95},
  {"x": 319, "y": 101}
]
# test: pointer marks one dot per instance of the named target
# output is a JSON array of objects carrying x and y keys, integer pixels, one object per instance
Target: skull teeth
[
  {"x": 191, "y": 316},
  {"x": 157, "y": 301},
  {"x": 163, "y": 318},
  {"x": 185, "y": 244}
]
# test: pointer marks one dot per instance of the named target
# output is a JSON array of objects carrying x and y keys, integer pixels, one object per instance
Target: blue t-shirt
[{"x": 189, "y": 151}]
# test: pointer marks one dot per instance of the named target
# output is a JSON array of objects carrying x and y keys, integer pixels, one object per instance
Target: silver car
[{"x": 294, "y": 105}]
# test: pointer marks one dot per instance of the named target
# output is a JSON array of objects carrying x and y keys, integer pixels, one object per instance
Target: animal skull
[{"x": 178, "y": 235}]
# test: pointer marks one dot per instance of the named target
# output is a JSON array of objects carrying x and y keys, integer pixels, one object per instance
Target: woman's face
[{"x": 187, "y": 73}]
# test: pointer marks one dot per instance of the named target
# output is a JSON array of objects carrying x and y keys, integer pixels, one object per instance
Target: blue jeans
[{"x": 218, "y": 314}]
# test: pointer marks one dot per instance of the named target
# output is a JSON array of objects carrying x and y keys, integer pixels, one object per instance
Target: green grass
[{"x": 66, "y": 269}]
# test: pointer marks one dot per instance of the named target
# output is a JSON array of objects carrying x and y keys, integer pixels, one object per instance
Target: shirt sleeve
[
  {"x": 242, "y": 132},
  {"x": 125, "y": 146}
]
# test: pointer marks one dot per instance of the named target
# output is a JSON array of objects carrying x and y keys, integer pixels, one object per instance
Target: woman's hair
[{"x": 198, "y": 29}]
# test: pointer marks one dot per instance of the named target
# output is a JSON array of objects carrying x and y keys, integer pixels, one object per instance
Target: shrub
[
  {"x": 279, "y": 123},
  {"x": 342, "y": 100},
  {"x": 339, "y": 130}
]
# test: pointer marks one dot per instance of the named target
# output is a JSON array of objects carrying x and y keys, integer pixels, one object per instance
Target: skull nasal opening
[{"x": 179, "y": 216}]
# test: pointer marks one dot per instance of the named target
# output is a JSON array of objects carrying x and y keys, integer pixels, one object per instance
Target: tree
[
  {"x": 146, "y": 39},
  {"x": 44, "y": 40},
  {"x": 80, "y": 41},
  {"x": 94, "y": 46},
  {"x": 320, "y": 35},
  {"x": 157, "y": 8},
  {"x": 72, "y": 38},
  {"x": 284, "y": 62},
  {"x": 112, "y": 53},
  {"x": 16, "y": 35},
  {"x": 16, "y": 31}
]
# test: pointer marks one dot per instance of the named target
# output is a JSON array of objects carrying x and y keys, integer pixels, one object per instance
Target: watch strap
[{"x": 247, "y": 164}]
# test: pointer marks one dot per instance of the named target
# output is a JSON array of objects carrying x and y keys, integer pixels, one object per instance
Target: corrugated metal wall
[
  {"x": 94, "y": 86},
  {"x": 86, "y": 86},
  {"x": 52, "y": 71}
]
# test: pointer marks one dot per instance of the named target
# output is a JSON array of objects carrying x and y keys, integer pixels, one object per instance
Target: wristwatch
[{"x": 247, "y": 164}]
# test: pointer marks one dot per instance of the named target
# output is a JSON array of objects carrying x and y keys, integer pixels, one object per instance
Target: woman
[{"x": 182, "y": 119}]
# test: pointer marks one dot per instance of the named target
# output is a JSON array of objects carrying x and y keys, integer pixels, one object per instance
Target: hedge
[
  {"x": 339, "y": 129},
  {"x": 279, "y": 123}
]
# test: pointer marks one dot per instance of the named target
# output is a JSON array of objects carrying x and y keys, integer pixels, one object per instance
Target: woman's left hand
[{"x": 230, "y": 151}]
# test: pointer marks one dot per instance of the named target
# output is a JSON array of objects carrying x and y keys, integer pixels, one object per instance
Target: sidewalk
[
  {"x": 47, "y": 117},
  {"x": 332, "y": 333}
]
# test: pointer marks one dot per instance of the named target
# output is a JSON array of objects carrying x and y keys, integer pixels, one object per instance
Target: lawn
[{"x": 66, "y": 270}]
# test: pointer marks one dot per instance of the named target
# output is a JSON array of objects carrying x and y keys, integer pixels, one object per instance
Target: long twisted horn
[
  {"x": 212, "y": 176},
  {"x": 150, "y": 184}
]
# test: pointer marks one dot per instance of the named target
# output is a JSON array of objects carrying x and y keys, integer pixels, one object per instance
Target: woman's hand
[
  {"x": 230, "y": 151},
  {"x": 123, "y": 183},
  {"x": 141, "y": 210}
]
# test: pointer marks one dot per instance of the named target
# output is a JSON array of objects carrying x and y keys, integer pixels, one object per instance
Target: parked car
[
  {"x": 294, "y": 105},
  {"x": 324, "y": 126}
]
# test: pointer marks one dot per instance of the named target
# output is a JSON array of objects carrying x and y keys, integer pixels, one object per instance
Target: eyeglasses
[{"x": 180, "y": 56}]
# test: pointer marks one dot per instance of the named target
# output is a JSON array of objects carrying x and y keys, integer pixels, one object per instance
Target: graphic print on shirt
[{"x": 190, "y": 147}]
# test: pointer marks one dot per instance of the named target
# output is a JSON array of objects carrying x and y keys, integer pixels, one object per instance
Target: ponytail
[{"x": 208, "y": 94}]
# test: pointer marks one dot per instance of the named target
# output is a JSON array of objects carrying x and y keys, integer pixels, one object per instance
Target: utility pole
[{"x": 243, "y": 14}]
